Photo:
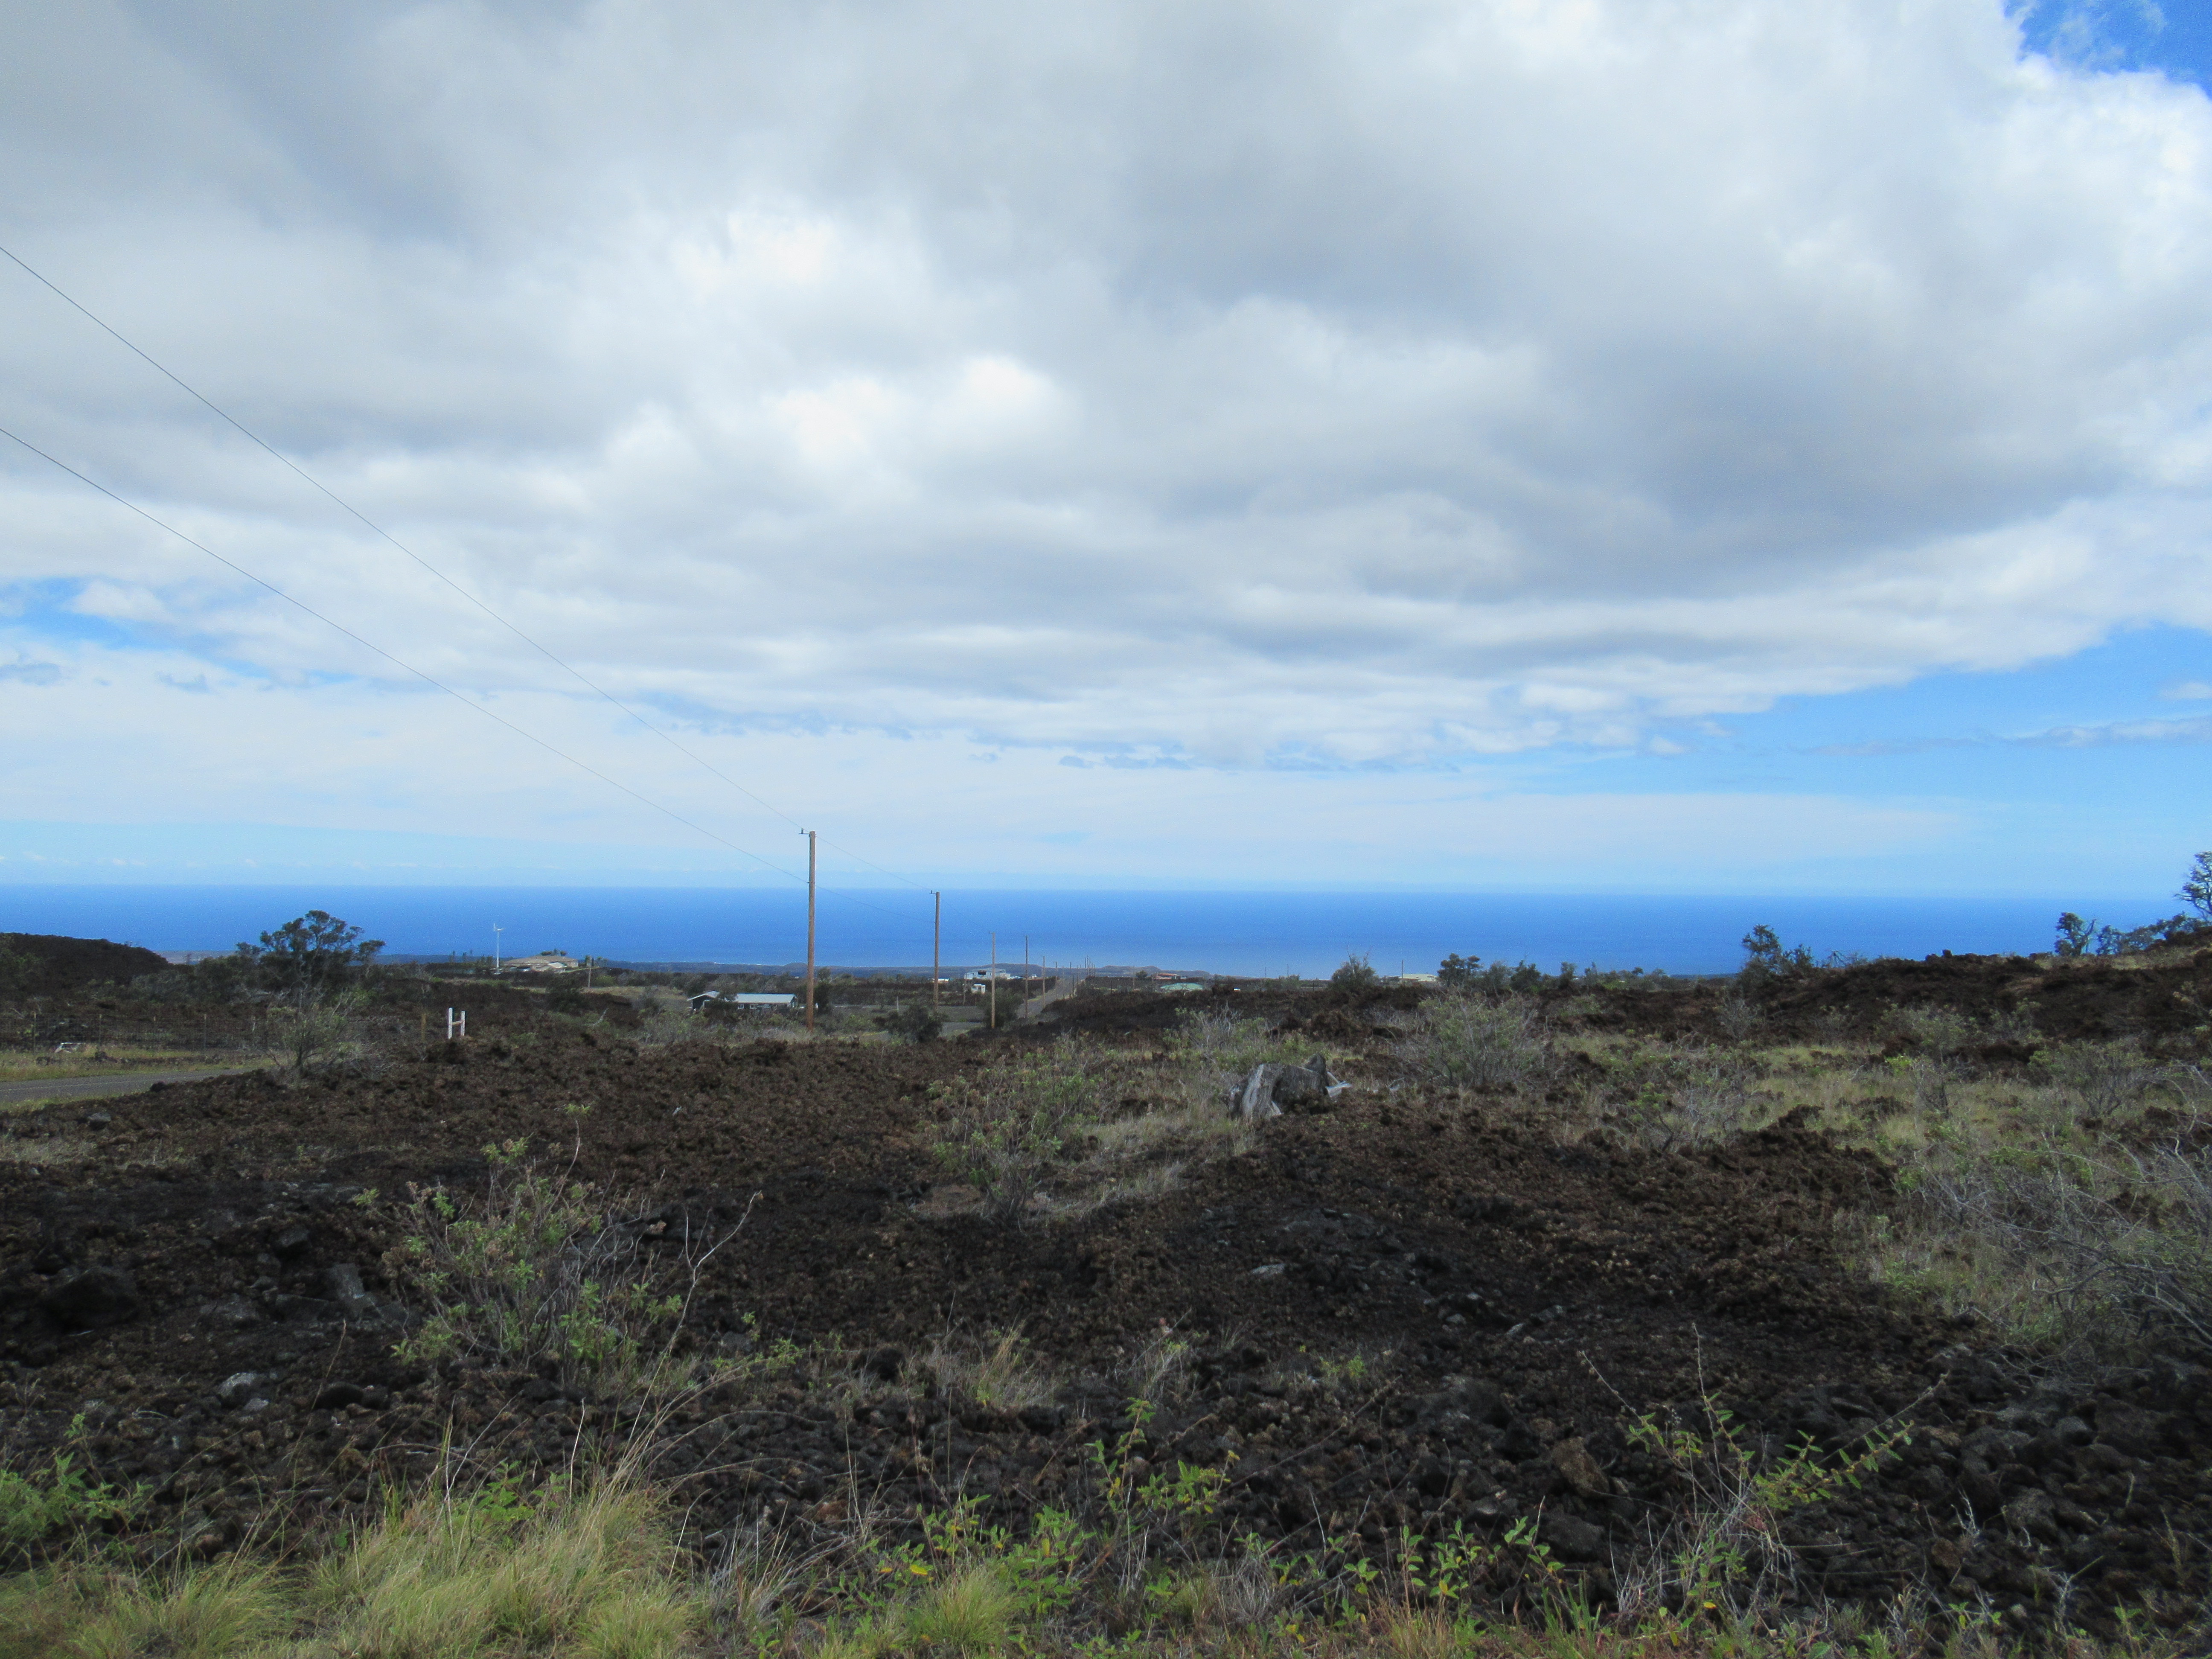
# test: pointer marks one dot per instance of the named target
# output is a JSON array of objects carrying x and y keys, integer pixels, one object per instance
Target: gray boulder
[{"x": 1273, "y": 1089}]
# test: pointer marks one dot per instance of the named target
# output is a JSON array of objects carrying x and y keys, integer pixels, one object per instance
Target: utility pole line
[
  {"x": 936, "y": 946},
  {"x": 991, "y": 984},
  {"x": 809, "y": 931},
  {"x": 496, "y": 930}
]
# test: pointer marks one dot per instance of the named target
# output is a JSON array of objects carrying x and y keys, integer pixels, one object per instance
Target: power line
[
  {"x": 550, "y": 655},
  {"x": 427, "y": 678}
]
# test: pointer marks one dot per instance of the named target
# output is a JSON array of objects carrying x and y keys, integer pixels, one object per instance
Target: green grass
[{"x": 593, "y": 1571}]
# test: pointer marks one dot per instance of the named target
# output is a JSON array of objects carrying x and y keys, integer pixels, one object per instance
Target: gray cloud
[{"x": 1319, "y": 383}]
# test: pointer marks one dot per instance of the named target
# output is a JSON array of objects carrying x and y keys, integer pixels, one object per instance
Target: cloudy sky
[{"x": 1694, "y": 445}]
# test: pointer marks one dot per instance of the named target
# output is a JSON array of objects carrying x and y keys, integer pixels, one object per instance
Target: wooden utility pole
[
  {"x": 991, "y": 983},
  {"x": 936, "y": 946},
  {"x": 810, "y": 930}
]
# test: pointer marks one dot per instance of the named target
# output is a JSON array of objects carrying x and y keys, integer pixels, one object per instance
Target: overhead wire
[
  {"x": 422, "y": 674},
  {"x": 544, "y": 651}
]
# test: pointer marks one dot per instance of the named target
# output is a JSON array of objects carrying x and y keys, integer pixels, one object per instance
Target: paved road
[{"x": 91, "y": 1088}]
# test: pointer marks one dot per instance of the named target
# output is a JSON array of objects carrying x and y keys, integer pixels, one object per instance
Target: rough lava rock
[
  {"x": 88, "y": 1298},
  {"x": 1272, "y": 1089}
]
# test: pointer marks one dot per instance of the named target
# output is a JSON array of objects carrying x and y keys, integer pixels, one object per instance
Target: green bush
[
  {"x": 1219, "y": 1044},
  {"x": 535, "y": 1270},
  {"x": 318, "y": 1030},
  {"x": 1463, "y": 1041},
  {"x": 1356, "y": 974},
  {"x": 56, "y": 1500},
  {"x": 1000, "y": 1133},
  {"x": 916, "y": 1022}
]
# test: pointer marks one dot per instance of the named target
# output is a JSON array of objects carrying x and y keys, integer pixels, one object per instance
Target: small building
[{"x": 745, "y": 999}]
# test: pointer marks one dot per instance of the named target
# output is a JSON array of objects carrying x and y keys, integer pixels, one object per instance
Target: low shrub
[
  {"x": 915, "y": 1022},
  {"x": 538, "y": 1269},
  {"x": 1722, "y": 1549},
  {"x": 56, "y": 1501},
  {"x": 1001, "y": 1131},
  {"x": 1697, "y": 1098},
  {"x": 318, "y": 1030},
  {"x": 2097, "y": 1254},
  {"x": 1354, "y": 974},
  {"x": 1462, "y": 1042},
  {"x": 1217, "y": 1046},
  {"x": 2106, "y": 1079}
]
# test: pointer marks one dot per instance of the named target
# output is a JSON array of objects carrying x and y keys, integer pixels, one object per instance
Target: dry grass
[
  {"x": 995, "y": 1370},
  {"x": 118, "y": 1060},
  {"x": 1056, "y": 1134},
  {"x": 591, "y": 1573},
  {"x": 2054, "y": 1204},
  {"x": 47, "y": 1151}
]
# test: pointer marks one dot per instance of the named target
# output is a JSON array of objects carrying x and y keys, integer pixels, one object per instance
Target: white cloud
[
  {"x": 345, "y": 766},
  {"x": 1320, "y": 384}
]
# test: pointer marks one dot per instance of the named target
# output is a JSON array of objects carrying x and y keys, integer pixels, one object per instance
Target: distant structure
[
  {"x": 745, "y": 998},
  {"x": 546, "y": 962}
]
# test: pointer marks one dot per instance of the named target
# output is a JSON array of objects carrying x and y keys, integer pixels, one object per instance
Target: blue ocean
[{"x": 1232, "y": 932}]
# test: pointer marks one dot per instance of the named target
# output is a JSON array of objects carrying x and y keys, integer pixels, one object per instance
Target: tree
[
  {"x": 311, "y": 955},
  {"x": 1356, "y": 974},
  {"x": 2197, "y": 892},
  {"x": 1458, "y": 973},
  {"x": 2074, "y": 935},
  {"x": 1766, "y": 957}
]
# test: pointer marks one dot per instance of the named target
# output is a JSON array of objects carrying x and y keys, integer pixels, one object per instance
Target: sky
[{"x": 1656, "y": 446}]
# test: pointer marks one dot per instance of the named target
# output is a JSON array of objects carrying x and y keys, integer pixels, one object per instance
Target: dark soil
[
  {"x": 2092, "y": 997},
  {"x": 1513, "y": 1302},
  {"x": 60, "y": 966}
]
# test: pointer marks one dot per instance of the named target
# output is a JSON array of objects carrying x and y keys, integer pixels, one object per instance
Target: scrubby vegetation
[{"x": 1841, "y": 1307}]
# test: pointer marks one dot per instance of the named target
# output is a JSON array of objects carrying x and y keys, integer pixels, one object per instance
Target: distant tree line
[{"x": 2081, "y": 936}]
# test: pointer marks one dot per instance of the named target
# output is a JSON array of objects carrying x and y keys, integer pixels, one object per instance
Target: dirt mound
[
  {"x": 59, "y": 966},
  {"x": 2091, "y": 997},
  {"x": 1352, "y": 1011}
]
